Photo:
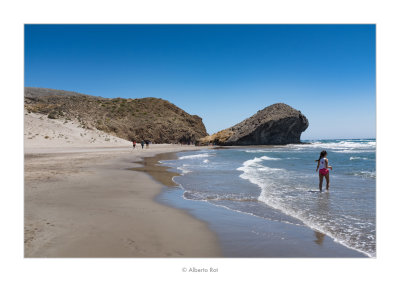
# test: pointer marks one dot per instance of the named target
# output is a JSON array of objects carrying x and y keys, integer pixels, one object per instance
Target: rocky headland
[{"x": 278, "y": 124}]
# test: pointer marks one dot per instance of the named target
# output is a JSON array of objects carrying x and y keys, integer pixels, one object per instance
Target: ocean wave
[
  {"x": 197, "y": 156},
  {"x": 252, "y": 169},
  {"x": 299, "y": 223},
  {"x": 339, "y": 147},
  {"x": 256, "y": 151},
  {"x": 207, "y": 196},
  {"x": 184, "y": 169},
  {"x": 206, "y": 161},
  {"x": 353, "y": 151},
  {"x": 357, "y": 158},
  {"x": 364, "y": 174},
  {"x": 256, "y": 162},
  {"x": 269, "y": 151},
  {"x": 266, "y": 158}
]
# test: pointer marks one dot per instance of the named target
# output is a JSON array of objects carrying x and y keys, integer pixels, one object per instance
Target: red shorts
[{"x": 323, "y": 171}]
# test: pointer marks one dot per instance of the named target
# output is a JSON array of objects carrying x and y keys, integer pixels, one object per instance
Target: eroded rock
[{"x": 278, "y": 124}]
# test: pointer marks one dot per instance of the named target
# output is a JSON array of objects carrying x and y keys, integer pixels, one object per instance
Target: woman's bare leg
[
  {"x": 327, "y": 181},
  {"x": 321, "y": 179}
]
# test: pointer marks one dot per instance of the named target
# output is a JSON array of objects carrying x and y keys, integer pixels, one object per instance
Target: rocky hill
[
  {"x": 151, "y": 119},
  {"x": 278, "y": 124}
]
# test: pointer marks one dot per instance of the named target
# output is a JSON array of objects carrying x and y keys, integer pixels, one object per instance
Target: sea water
[{"x": 280, "y": 183}]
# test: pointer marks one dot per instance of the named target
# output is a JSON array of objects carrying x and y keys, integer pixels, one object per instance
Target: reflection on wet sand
[
  {"x": 320, "y": 237},
  {"x": 160, "y": 173},
  {"x": 323, "y": 203}
]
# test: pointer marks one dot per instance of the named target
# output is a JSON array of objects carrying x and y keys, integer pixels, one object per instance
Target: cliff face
[
  {"x": 278, "y": 124},
  {"x": 151, "y": 119}
]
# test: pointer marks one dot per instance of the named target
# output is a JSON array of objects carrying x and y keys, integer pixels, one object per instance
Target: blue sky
[{"x": 223, "y": 73}]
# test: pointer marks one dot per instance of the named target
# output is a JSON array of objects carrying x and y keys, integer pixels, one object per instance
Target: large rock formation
[
  {"x": 278, "y": 124},
  {"x": 151, "y": 119}
]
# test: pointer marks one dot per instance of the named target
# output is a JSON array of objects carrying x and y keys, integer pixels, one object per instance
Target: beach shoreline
[
  {"x": 138, "y": 210},
  {"x": 82, "y": 202}
]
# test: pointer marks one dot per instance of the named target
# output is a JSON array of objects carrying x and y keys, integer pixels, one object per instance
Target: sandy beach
[
  {"x": 91, "y": 204},
  {"x": 82, "y": 199}
]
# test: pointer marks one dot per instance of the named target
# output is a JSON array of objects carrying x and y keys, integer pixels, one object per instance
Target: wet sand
[{"x": 159, "y": 173}]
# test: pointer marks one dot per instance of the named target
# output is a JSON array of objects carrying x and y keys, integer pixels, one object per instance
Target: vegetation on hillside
[{"x": 152, "y": 119}]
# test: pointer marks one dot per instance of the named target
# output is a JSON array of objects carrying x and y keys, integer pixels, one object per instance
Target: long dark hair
[{"x": 321, "y": 155}]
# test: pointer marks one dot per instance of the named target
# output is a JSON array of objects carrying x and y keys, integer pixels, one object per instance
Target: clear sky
[{"x": 223, "y": 73}]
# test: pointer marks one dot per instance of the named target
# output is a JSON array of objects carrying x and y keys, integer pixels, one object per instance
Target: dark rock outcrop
[
  {"x": 152, "y": 119},
  {"x": 278, "y": 124}
]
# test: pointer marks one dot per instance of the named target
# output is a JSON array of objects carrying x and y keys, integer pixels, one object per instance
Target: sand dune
[{"x": 42, "y": 132}]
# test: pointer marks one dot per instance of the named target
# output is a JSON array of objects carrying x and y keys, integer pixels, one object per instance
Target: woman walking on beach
[
  {"x": 142, "y": 144},
  {"x": 323, "y": 169}
]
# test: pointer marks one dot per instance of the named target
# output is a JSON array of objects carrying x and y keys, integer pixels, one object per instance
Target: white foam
[
  {"x": 184, "y": 169},
  {"x": 266, "y": 158},
  {"x": 197, "y": 156},
  {"x": 257, "y": 151},
  {"x": 342, "y": 146},
  {"x": 249, "y": 213},
  {"x": 206, "y": 161},
  {"x": 357, "y": 158},
  {"x": 348, "y": 151},
  {"x": 251, "y": 169},
  {"x": 210, "y": 196},
  {"x": 256, "y": 162},
  {"x": 368, "y": 174}
]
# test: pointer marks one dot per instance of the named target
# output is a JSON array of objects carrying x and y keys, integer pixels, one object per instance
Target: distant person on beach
[
  {"x": 147, "y": 144},
  {"x": 134, "y": 144},
  {"x": 142, "y": 143},
  {"x": 323, "y": 169}
]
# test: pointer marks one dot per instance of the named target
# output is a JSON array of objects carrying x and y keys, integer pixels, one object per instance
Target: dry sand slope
[{"x": 40, "y": 131}]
